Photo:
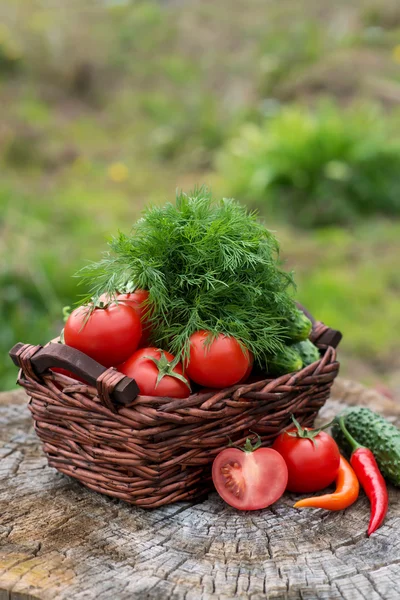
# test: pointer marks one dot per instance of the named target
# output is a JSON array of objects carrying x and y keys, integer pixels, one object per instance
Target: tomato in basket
[
  {"x": 108, "y": 334},
  {"x": 157, "y": 373},
  {"x": 137, "y": 300},
  {"x": 217, "y": 362}
]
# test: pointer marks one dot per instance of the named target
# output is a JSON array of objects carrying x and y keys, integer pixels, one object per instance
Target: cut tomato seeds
[{"x": 234, "y": 478}]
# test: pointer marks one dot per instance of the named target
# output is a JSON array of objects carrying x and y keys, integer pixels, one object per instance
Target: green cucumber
[
  {"x": 308, "y": 352},
  {"x": 286, "y": 361},
  {"x": 376, "y": 433},
  {"x": 298, "y": 326}
]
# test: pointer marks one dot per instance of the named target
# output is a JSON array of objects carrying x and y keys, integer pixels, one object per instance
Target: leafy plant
[
  {"x": 207, "y": 265},
  {"x": 330, "y": 166}
]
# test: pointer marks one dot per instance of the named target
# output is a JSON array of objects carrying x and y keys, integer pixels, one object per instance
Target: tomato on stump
[
  {"x": 109, "y": 334},
  {"x": 216, "y": 362},
  {"x": 157, "y": 373},
  {"x": 312, "y": 457},
  {"x": 251, "y": 478}
]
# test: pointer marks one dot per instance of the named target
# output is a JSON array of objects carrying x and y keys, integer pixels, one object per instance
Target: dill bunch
[{"x": 207, "y": 265}]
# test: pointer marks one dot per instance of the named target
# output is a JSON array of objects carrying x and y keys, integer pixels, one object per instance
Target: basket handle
[
  {"x": 322, "y": 334},
  {"x": 113, "y": 387}
]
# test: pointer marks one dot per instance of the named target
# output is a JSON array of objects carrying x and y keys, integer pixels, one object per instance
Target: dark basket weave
[{"x": 157, "y": 450}]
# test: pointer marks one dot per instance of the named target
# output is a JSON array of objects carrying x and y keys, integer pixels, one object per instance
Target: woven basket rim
[{"x": 106, "y": 380}]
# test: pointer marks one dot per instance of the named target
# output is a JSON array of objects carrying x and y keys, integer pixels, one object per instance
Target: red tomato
[
  {"x": 220, "y": 364},
  {"x": 136, "y": 300},
  {"x": 249, "y": 369},
  {"x": 157, "y": 373},
  {"x": 249, "y": 480},
  {"x": 110, "y": 335},
  {"x": 311, "y": 466}
]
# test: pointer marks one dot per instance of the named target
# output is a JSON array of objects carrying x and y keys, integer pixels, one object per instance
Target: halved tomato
[{"x": 250, "y": 479}]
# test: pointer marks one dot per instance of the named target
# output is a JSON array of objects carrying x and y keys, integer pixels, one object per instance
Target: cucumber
[
  {"x": 286, "y": 361},
  {"x": 298, "y": 326},
  {"x": 376, "y": 433},
  {"x": 308, "y": 352}
]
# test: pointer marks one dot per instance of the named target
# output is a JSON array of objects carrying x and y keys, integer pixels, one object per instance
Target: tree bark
[{"x": 59, "y": 541}]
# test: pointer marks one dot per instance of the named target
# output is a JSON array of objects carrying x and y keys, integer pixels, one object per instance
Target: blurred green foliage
[
  {"x": 316, "y": 168},
  {"x": 349, "y": 277},
  {"x": 10, "y": 52},
  {"x": 108, "y": 106}
]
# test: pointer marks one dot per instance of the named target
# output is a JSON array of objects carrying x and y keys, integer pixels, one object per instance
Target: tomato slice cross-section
[{"x": 250, "y": 480}]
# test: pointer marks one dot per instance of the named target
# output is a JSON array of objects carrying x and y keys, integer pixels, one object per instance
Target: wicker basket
[{"x": 152, "y": 451}]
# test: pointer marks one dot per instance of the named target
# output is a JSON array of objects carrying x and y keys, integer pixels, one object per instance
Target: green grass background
[{"x": 112, "y": 105}]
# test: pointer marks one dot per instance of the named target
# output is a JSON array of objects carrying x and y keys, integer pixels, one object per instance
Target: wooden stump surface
[{"x": 61, "y": 541}]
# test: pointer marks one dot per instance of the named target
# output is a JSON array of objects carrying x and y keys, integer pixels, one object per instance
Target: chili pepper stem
[{"x": 355, "y": 445}]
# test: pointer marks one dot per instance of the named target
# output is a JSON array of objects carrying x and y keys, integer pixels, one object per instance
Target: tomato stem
[
  {"x": 248, "y": 446},
  {"x": 129, "y": 287},
  {"x": 102, "y": 304},
  {"x": 165, "y": 367},
  {"x": 308, "y": 434}
]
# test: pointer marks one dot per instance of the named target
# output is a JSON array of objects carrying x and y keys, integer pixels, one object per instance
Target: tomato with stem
[
  {"x": 312, "y": 457},
  {"x": 251, "y": 478},
  {"x": 108, "y": 333},
  {"x": 157, "y": 373}
]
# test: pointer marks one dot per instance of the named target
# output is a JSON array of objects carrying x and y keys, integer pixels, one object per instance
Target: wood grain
[{"x": 59, "y": 541}]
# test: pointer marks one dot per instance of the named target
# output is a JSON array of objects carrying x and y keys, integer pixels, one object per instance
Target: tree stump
[{"x": 60, "y": 541}]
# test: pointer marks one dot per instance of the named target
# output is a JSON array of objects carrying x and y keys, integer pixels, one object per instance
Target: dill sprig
[{"x": 207, "y": 265}]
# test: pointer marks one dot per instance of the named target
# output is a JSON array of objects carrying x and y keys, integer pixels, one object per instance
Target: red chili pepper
[{"x": 366, "y": 468}]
